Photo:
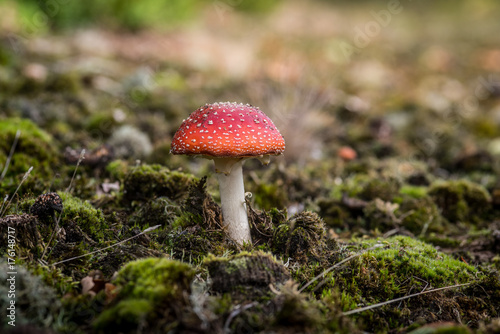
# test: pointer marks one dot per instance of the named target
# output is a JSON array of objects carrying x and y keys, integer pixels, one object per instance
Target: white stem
[{"x": 232, "y": 195}]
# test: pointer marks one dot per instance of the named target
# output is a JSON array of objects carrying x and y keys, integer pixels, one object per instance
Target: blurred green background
[
  {"x": 139, "y": 14},
  {"x": 131, "y": 15}
]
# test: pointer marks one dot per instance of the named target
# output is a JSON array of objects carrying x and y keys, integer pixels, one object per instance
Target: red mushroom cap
[{"x": 227, "y": 129}]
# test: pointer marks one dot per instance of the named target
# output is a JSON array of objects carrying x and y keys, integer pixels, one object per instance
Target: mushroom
[{"x": 230, "y": 133}]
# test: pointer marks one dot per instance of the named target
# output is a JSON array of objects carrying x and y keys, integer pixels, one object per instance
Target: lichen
[{"x": 36, "y": 303}]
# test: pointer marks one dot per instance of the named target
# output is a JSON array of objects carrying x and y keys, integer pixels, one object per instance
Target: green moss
[
  {"x": 159, "y": 211},
  {"x": 150, "y": 291},
  {"x": 27, "y": 236},
  {"x": 34, "y": 148},
  {"x": 101, "y": 122},
  {"x": 54, "y": 278},
  {"x": 246, "y": 274},
  {"x": 127, "y": 313},
  {"x": 187, "y": 219},
  {"x": 483, "y": 127},
  {"x": 6, "y": 56},
  {"x": 334, "y": 214},
  {"x": 380, "y": 215},
  {"x": 413, "y": 191},
  {"x": 403, "y": 266},
  {"x": 269, "y": 196},
  {"x": 154, "y": 279},
  {"x": 421, "y": 215},
  {"x": 368, "y": 187},
  {"x": 406, "y": 256},
  {"x": 65, "y": 82},
  {"x": 193, "y": 243},
  {"x": 385, "y": 189},
  {"x": 89, "y": 219},
  {"x": 146, "y": 182},
  {"x": 388, "y": 272},
  {"x": 221, "y": 304},
  {"x": 441, "y": 240},
  {"x": 117, "y": 169},
  {"x": 258, "y": 6},
  {"x": 295, "y": 313},
  {"x": 461, "y": 200}
]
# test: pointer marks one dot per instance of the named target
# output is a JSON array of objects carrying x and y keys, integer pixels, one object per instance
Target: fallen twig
[
  {"x": 15, "y": 192},
  {"x": 11, "y": 153}
]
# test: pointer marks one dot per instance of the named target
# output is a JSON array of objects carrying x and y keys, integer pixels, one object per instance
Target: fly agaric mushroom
[{"x": 230, "y": 133}]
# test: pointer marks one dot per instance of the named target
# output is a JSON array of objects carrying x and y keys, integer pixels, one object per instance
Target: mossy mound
[
  {"x": 461, "y": 201},
  {"x": 146, "y": 182},
  {"x": 268, "y": 196},
  {"x": 380, "y": 215},
  {"x": 289, "y": 311},
  {"x": 35, "y": 147},
  {"x": 150, "y": 297},
  {"x": 117, "y": 169},
  {"x": 198, "y": 230},
  {"x": 82, "y": 214},
  {"x": 407, "y": 256},
  {"x": 401, "y": 267},
  {"x": 302, "y": 237},
  {"x": 385, "y": 189},
  {"x": 246, "y": 273},
  {"x": 333, "y": 213},
  {"x": 158, "y": 211},
  {"x": 416, "y": 216},
  {"x": 421, "y": 216},
  {"x": 193, "y": 243}
]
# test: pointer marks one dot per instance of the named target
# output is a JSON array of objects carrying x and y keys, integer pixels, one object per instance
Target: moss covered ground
[{"x": 389, "y": 187}]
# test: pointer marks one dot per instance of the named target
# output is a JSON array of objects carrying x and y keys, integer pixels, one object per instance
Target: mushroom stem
[{"x": 232, "y": 194}]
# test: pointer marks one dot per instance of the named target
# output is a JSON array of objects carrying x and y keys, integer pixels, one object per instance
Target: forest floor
[{"x": 389, "y": 185}]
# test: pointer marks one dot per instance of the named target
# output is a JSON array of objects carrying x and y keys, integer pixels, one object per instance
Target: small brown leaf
[{"x": 110, "y": 291}]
